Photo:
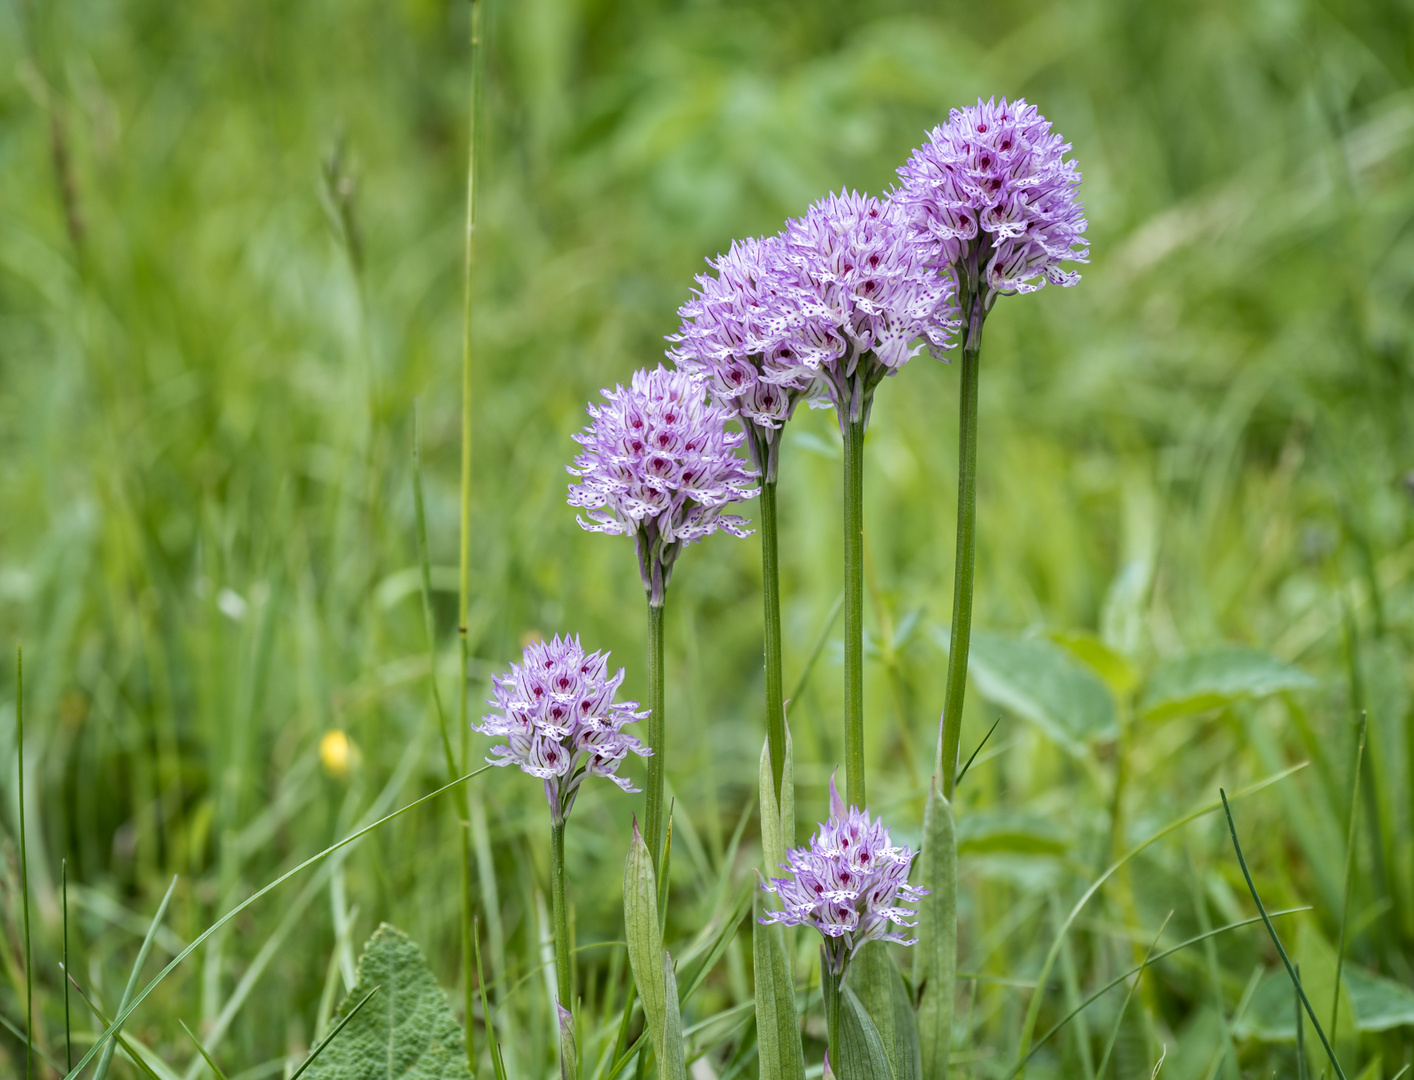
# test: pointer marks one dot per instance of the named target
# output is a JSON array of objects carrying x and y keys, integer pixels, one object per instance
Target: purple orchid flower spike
[
  {"x": 849, "y": 883},
  {"x": 557, "y": 713},
  {"x": 658, "y": 465}
]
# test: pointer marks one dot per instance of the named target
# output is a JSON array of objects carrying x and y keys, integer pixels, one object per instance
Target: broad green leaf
[
  {"x": 1041, "y": 682},
  {"x": 1377, "y": 1003},
  {"x": 1201, "y": 681},
  {"x": 407, "y": 1032},
  {"x": 935, "y": 955},
  {"x": 1113, "y": 667},
  {"x": 1014, "y": 831},
  {"x": 876, "y": 981},
  {"x": 777, "y": 1035},
  {"x": 862, "y": 1053},
  {"x": 646, "y": 956},
  {"x": 777, "y": 822}
]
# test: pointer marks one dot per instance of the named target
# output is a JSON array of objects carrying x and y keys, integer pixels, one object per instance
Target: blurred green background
[{"x": 231, "y": 265}]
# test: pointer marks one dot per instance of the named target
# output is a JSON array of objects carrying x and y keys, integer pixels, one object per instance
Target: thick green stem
[
  {"x": 560, "y": 917},
  {"x": 854, "y": 611},
  {"x": 966, "y": 555},
  {"x": 657, "y": 736},
  {"x": 771, "y": 597}
]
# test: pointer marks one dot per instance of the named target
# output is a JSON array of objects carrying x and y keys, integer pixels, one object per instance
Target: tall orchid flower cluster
[{"x": 840, "y": 299}]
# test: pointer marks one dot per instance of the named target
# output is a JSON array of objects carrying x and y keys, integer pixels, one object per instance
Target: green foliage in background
[{"x": 230, "y": 262}]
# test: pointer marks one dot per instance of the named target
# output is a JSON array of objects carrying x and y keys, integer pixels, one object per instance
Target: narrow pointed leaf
[
  {"x": 672, "y": 1059},
  {"x": 935, "y": 955},
  {"x": 777, "y": 1034},
  {"x": 569, "y": 1048},
  {"x": 659, "y": 993},
  {"x": 777, "y": 819}
]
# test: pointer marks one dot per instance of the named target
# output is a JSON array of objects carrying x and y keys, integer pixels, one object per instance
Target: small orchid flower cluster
[
  {"x": 658, "y": 465},
  {"x": 557, "y": 713},
  {"x": 848, "y": 884}
]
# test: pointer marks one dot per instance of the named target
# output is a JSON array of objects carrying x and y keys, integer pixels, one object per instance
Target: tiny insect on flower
[
  {"x": 848, "y": 883},
  {"x": 557, "y": 713}
]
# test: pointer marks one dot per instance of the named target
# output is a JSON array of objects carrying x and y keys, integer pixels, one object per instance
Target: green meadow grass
[{"x": 230, "y": 269}]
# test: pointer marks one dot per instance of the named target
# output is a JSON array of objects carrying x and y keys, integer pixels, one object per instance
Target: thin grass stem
[
  {"x": 1128, "y": 997},
  {"x": 1261, "y": 910},
  {"x": 817, "y": 647},
  {"x": 1349, "y": 868},
  {"x": 64, "y": 903},
  {"x": 24, "y": 857},
  {"x": 854, "y": 611},
  {"x": 478, "y": 62}
]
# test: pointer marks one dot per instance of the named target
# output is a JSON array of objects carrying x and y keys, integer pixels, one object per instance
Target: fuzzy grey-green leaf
[{"x": 407, "y": 1032}]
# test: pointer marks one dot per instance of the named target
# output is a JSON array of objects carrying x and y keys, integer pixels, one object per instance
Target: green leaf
[
  {"x": 1043, "y": 683},
  {"x": 1378, "y": 1004},
  {"x": 876, "y": 981},
  {"x": 777, "y": 1036},
  {"x": 777, "y": 822},
  {"x": 407, "y": 1032},
  {"x": 1207, "y": 680},
  {"x": 862, "y": 1054},
  {"x": 569, "y": 1046},
  {"x": 935, "y": 955},
  {"x": 659, "y": 993}
]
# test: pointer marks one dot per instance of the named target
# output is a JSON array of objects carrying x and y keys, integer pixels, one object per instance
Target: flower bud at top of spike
[
  {"x": 848, "y": 883},
  {"x": 991, "y": 194},
  {"x": 658, "y": 465},
  {"x": 557, "y": 713}
]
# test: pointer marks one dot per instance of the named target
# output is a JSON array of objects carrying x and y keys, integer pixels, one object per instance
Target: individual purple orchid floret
[
  {"x": 557, "y": 713},
  {"x": 848, "y": 884},
  {"x": 658, "y": 465},
  {"x": 991, "y": 194},
  {"x": 868, "y": 297},
  {"x": 741, "y": 335}
]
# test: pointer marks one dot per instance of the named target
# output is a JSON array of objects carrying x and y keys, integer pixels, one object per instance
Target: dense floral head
[
  {"x": 557, "y": 713},
  {"x": 741, "y": 335},
  {"x": 868, "y": 297},
  {"x": 848, "y": 884},
  {"x": 658, "y": 465},
  {"x": 991, "y": 194}
]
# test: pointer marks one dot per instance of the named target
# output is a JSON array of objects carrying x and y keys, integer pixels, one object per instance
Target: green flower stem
[
  {"x": 560, "y": 916},
  {"x": 831, "y": 983},
  {"x": 961, "y": 637},
  {"x": 771, "y": 597},
  {"x": 657, "y": 733},
  {"x": 854, "y": 611}
]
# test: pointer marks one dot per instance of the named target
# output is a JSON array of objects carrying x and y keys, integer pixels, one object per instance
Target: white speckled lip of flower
[{"x": 557, "y": 714}]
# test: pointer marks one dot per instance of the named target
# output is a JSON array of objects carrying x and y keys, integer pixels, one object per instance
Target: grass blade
[
  {"x": 357, "y": 834},
  {"x": 1349, "y": 866},
  {"x": 973, "y": 758},
  {"x": 202, "y": 1051},
  {"x": 1119, "y": 1019},
  {"x": 122, "y": 1039},
  {"x": 497, "y": 1063},
  {"x": 1033, "y": 1011},
  {"x": 333, "y": 1034},
  {"x": 107, "y": 1059},
  {"x": 24, "y": 857},
  {"x": 64, "y": 903},
  {"x": 1290, "y": 970},
  {"x": 17, "y": 1033},
  {"x": 815, "y": 650}
]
